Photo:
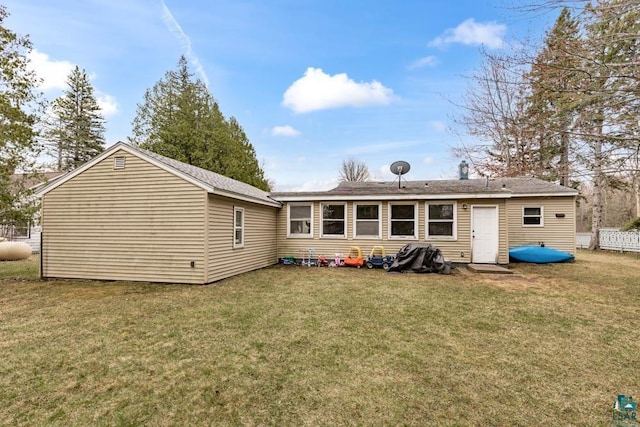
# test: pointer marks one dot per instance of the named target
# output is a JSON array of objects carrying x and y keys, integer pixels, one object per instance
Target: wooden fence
[{"x": 626, "y": 241}]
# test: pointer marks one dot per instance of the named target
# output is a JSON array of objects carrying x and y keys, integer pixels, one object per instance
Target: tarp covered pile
[{"x": 420, "y": 258}]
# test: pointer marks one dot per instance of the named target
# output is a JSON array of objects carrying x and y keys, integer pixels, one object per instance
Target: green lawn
[{"x": 550, "y": 345}]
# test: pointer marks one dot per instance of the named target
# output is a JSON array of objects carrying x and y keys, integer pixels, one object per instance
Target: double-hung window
[
  {"x": 441, "y": 220},
  {"x": 334, "y": 220},
  {"x": 403, "y": 221},
  {"x": 367, "y": 220},
  {"x": 238, "y": 227},
  {"x": 300, "y": 220},
  {"x": 532, "y": 216}
]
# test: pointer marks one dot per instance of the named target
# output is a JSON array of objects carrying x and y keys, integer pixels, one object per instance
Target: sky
[{"x": 312, "y": 82}]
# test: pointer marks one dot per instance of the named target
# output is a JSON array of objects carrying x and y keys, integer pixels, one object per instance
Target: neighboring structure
[
  {"x": 28, "y": 232},
  {"x": 131, "y": 214},
  {"x": 468, "y": 220}
]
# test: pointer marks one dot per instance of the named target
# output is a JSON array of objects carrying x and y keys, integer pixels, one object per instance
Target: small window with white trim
[
  {"x": 333, "y": 220},
  {"x": 238, "y": 227},
  {"x": 441, "y": 221},
  {"x": 403, "y": 221},
  {"x": 532, "y": 216},
  {"x": 367, "y": 220},
  {"x": 300, "y": 220}
]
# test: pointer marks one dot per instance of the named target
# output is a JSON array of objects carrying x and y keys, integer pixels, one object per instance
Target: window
[
  {"x": 238, "y": 227},
  {"x": 367, "y": 222},
  {"x": 333, "y": 220},
  {"x": 403, "y": 221},
  {"x": 441, "y": 220},
  {"x": 532, "y": 216},
  {"x": 300, "y": 220}
]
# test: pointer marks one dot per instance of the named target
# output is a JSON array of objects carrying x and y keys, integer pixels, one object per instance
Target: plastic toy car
[
  {"x": 354, "y": 257},
  {"x": 379, "y": 258}
]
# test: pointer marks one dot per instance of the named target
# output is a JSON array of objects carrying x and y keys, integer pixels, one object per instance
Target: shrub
[{"x": 634, "y": 224}]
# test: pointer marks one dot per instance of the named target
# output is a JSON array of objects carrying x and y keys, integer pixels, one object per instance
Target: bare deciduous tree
[{"x": 353, "y": 170}]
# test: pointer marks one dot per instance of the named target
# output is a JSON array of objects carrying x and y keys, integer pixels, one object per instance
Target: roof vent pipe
[{"x": 463, "y": 170}]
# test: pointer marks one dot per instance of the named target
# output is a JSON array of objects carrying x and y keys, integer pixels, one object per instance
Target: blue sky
[{"x": 313, "y": 82}]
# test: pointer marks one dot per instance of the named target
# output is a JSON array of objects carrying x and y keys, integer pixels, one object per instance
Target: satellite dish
[{"x": 400, "y": 168}]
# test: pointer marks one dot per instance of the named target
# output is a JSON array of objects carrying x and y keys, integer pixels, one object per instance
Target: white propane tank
[{"x": 14, "y": 251}]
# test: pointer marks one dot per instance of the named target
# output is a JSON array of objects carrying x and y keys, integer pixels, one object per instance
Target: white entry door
[{"x": 484, "y": 234}]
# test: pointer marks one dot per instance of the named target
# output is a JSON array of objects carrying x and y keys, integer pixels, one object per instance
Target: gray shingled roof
[
  {"x": 506, "y": 186},
  {"x": 212, "y": 179}
]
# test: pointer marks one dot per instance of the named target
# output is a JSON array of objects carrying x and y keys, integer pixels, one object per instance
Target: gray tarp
[{"x": 420, "y": 258}]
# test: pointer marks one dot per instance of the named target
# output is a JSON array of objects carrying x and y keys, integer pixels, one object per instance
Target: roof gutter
[{"x": 328, "y": 197}]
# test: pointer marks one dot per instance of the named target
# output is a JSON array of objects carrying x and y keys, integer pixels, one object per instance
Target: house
[
  {"x": 130, "y": 214},
  {"x": 28, "y": 232},
  {"x": 469, "y": 220}
]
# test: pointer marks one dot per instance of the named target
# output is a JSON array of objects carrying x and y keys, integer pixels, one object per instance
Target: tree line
[
  {"x": 178, "y": 118},
  {"x": 565, "y": 111}
]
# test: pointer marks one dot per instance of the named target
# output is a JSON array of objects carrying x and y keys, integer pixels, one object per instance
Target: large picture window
[
  {"x": 441, "y": 220},
  {"x": 334, "y": 220},
  {"x": 532, "y": 216},
  {"x": 403, "y": 221},
  {"x": 238, "y": 227},
  {"x": 367, "y": 223},
  {"x": 300, "y": 220}
]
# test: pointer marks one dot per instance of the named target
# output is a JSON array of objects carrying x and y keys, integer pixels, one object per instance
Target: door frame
[{"x": 496, "y": 248}]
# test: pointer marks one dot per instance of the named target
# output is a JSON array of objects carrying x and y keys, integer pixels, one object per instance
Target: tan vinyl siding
[
  {"x": 557, "y": 233},
  {"x": 139, "y": 223},
  {"x": 458, "y": 250},
  {"x": 259, "y": 248}
]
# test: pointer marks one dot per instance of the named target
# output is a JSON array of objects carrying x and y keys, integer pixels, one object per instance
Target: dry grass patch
[{"x": 308, "y": 346}]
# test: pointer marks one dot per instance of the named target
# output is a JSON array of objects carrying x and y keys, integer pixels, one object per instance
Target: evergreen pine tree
[
  {"x": 77, "y": 134},
  {"x": 180, "y": 119}
]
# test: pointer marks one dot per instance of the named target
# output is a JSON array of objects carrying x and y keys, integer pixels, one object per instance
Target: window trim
[
  {"x": 355, "y": 221},
  {"x": 454, "y": 230},
  {"x": 237, "y": 245},
  {"x": 541, "y": 216},
  {"x": 344, "y": 220},
  {"x": 415, "y": 221},
  {"x": 291, "y": 235}
]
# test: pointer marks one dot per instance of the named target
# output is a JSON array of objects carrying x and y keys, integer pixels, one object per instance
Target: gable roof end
[{"x": 210, "y": 181}]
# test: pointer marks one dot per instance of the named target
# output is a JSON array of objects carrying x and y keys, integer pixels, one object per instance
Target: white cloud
[
  {"x": 490, "y": 34},
  {"x": 438, "y": 126},
  {"x": 319, "y": 91},
  {"x": 428, "y": 160},
  {"x": 108, "y": 104},
  {"x": 173, "y": 26},
  {"x": 317, "y": 185},
  {"x": 427, "y": 61},
  {"x": 284, "y": 131},
  {"x": 53, "y": 73}
]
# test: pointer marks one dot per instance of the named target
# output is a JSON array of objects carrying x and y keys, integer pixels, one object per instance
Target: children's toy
[
  {"x": 379, "y": 258},
  {"x": 322, "y": 261},
  {"x": 288, "y": 260},
  {"x": 354, "y": 257},
  {"x": 307, "y": 257},
  {"x": 337, "y": 261}
]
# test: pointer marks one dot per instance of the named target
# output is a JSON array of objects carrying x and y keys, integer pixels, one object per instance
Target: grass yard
[{"x": 550, "y": 345}]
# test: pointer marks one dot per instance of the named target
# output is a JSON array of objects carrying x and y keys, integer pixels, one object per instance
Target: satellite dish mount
[{"x": 399, "y": 168}]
